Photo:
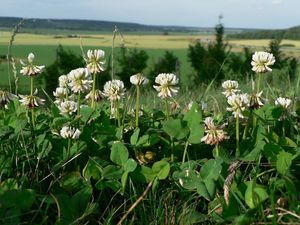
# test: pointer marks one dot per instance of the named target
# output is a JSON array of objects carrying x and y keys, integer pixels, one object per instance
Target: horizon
[
  {"x": 155, "y": 25},
  {"x": 251, "y": 14}
]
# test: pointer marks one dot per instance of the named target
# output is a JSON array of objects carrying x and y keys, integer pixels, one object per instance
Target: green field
[{"x": 44, "y": 47}]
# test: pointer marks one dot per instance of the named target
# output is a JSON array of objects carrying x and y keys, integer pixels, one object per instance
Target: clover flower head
[
  {"x": 5, "y": 98},
  {"x": 114, "y": 90},
  {"x": 80, "y": 80},
  {"x": 95, "y": 60},
  {"x": 30, "y": 69},
  {"x": 238, "y": 103},
  {"x": 67, "y": 107},
  {"x": 256, "y": 100},
  {"x": 98, "y": 95},
  {"x": 214, "y": 134},
  {"x": 167, "y": 85},
  {"x": 231, "y": 87},
  {"x": 68, "y": 132},
  {"x": 31, "y": 101},
  {"x": 284, "y": 102},
  {"x": 63, "y": 81},
  {"x": 60, "y": 94},
  {"x": 138, "y": 79},
  {"x": 261, "y": 62}
]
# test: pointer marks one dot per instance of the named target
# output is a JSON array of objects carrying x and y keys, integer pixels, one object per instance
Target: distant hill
[
  {"x": 32, "y": 25},
  {"x": 292, "y": 33}
]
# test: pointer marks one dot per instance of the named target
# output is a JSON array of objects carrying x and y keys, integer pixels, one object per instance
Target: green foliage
[
  {"x": 208, "y": 62},
  {"x": 130, "y": 62}
]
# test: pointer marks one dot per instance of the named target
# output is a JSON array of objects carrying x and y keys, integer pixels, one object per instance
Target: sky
[{"x": 265, "y": 14}]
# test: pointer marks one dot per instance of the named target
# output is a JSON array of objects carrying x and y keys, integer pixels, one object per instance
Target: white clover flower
[
  {"x": 167, "y": 82},
  {"x": 284, "y": 102},
  {"x": 261, "y": 61},
  {"x": 138, "y": 79},
  {"x": 67, "y": 107},
  {"x": 68, "y": 132},
  {"x": 30, "y": 69},
  {"x": 63, "y": 81},
  {"x": 60, "y": 94},
  {"x": 80, "y": 80},
  {"x": 114, "y": 90},
  {"x": 214, "y": 134},
  {"x": 231, "y": 87},
  {"x": 256, "y": 100},
  {"x": 5, "y": 98},
  {"x": 238, "y": 103},
  {"x": 98, "y": 95},
  {"x": 95, "y": 60},
  {"x": 31, "y": 101}
]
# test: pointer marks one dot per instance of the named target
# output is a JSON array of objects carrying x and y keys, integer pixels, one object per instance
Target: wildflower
[
  {"x": 30, "y": 69},
  {"x": 80, "y": 80},
  {"x": 114, "y": 90},
  {"x": 70, "y": 132},
  {"x": 95, "y": 60},
  {"x": 31, "y": 101},
  {"x": 98, "y": 95},
  {"x": 67, "y": 107},
  {"x": 61, "y": 94},
  {"x": 5, "y": 98},
  {"x": 231, "y": 87},
  {"x": 256, "y": 100},
  {"x": 63, "y": 81},
  {"x": 214, "y": 134},
  {"x": 238, "y": 103},
  {"x": 261, "y": 62},
  {"x": 167, "y": 82},
  {"x": 284, "y": 102},
  {"x": 138, "y": 79}
]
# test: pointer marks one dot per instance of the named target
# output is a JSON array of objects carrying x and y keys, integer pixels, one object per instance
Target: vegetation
[{"x": 292, "y": 33}]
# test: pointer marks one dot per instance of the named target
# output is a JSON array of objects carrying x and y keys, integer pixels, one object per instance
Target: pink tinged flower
[
  {"x": 283, "y": 102},
  {"x": 30, "y": 69},
  {"x": 114, "y": 90},
  {"x": 63, "y": 81},
  {"x": 256, "y": 100},
  {"x": 95, "y": 60},
  {"x": 167, "y": 85},
  {"x": 238, "y": 103},
  {"x": 80, "y": 80},
  {"x": 31, "y": 101},
  {"x": 68, "y": 132},
  {"x": 214, "y": 134},
  {"x": 230, "y": 87},
  {"x": 261, "y": 62},
  {"x": 5, "y": 98}
]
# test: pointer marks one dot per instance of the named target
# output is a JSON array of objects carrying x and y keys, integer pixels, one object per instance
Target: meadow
[{"x": 224, "y": 153}]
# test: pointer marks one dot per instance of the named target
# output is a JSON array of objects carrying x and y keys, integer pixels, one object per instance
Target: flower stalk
[{"x": 137, "y": 110}]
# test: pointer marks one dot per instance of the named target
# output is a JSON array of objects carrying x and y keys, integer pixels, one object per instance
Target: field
[{"x": 44, "y": 46}]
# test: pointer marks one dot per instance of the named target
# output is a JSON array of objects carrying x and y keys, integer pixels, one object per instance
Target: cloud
[{"x": 276, "y": 2}]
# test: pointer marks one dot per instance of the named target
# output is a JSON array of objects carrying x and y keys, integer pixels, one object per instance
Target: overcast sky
[{"x": 199, "y": 13}]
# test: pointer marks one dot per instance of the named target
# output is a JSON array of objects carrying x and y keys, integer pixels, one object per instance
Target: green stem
[
  {"x": 69, "y": 147},
  {"x": 258, "y": 83},
  {"x": 78, "y": 105},
  {"x": 237, "y": 134},
  {"x": 137, "y": 110},
  {"x": 118, "y": 113},
  {"x": 32, "y": 110},
  {"x": 185, "y": 151},
  {"x": 217, "y": 151},
  {"x": 93, "y": 91},
  {"x": 167, "y": 109}
]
